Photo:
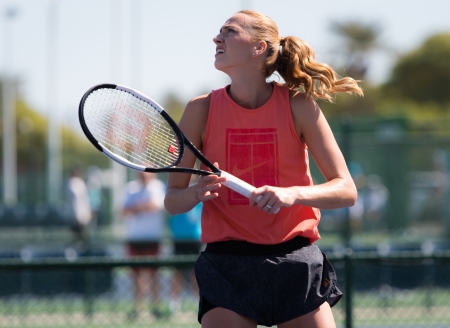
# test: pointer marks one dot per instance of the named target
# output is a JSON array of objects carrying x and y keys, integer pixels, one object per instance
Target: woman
[{"x": 260, "y": 267}]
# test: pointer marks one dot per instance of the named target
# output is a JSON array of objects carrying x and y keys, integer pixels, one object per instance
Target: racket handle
[{"x": 240, "y": 186}]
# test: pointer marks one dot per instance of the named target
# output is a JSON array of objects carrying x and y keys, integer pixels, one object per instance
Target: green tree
[
  {"x": 77, "y": 150},
  {"x": 31, "y": 138},
  {"x": 174, "y": 106},
  {"x": 423, "y": 75},
  {"x": 32, "y": 143},
  {"x": 359, "y": 41}
]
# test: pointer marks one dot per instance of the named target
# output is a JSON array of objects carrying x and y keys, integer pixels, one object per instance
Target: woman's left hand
[{"x": 272, "y": 198}]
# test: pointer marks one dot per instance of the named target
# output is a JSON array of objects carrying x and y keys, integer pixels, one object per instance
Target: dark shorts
[
  {"x": 182, "y": 247},
  {"x": 142, "y": 249},
  {"x": 292, "y": 279}
]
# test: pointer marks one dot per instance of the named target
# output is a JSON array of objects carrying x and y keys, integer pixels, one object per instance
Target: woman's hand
[
  {"x": 207, "y": 184},
  {"x": 272, "y": 198}
]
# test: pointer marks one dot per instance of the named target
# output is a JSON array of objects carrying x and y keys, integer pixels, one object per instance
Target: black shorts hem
[
  {"x": 269, "y": 289},
  {"x": 206, "y": 306}
]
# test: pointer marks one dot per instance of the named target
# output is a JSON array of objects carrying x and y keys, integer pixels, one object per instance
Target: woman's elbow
[
  {"x": 169, "y": 203},
  {"x": 352, "y": 195},
  {"x": 169, "y": 206}
]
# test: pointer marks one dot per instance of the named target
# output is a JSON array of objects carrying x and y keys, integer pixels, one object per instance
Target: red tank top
[{"x": 261, "y": 147}]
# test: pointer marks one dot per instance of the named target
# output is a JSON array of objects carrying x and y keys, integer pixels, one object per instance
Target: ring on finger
[{"x": 268, "y": 206}]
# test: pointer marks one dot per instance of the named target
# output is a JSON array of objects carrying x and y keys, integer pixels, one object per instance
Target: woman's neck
[{"x": 250, "y": 95}]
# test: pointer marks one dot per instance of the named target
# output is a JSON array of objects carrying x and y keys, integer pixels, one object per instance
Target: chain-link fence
[
  {"x": 95, "y": 292},
  {"x": 405, "y": 289},
  {"x": 400, "y": 289}
]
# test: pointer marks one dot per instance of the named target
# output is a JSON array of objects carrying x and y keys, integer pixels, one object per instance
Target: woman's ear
[{"x": 260, "y": 48}]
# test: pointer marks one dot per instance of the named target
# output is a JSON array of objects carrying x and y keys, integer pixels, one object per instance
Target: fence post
[
  {"x": 88, "y": 293},
  {"x": 348, "y": 289},
  {"x": 429, "y": 281}
]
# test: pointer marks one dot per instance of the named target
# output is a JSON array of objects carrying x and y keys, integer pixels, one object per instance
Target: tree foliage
[
  {"x": 31, "y": 140},
  {"x": 423, "y": 75},
  {"x": 78, "y": 151},
  {"x": 418, "y": 86},
  {"x": 359, "y": 40},
  {"x": 31, "y": 137},
  {"x": 174, "y": 106},
  {"x": 353, "y": 104}
]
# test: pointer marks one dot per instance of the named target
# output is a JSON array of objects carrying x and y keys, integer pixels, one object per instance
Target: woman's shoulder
[
  {"x": 297, "y": 98},
  {"x": 301, "y": 100},
  {"x": 199, "y": 103},
  {"x": 204, "y": 100},
  {"x": 304, "y": 109},
  {"x": 195, "y": 116}
]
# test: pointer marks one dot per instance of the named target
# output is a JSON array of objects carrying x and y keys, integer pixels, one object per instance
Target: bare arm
[
  {"x": 149, "y": 206},
  {"x": 339, "y": 189},
  {"x": 180, "y": 197},
  {"x": 151, "y": 203}
]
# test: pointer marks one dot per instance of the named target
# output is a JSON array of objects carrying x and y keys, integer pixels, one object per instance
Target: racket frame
[{"x": 184, "y": 141}]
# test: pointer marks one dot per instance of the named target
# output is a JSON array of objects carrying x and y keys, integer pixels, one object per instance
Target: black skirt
[{"x": 290, "y": 280}]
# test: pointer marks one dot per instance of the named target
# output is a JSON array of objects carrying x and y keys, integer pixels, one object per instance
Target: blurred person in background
[
  {"x": 436, "y": 206},
  {"x": 356, "y": 212},
  {"x": 376, "y": 197},
  {"x": 185, "y": 229},
  {"x": 80, "y": 209},
  {"x": 94, "y": 186},
  {"x": 144, "y": 228}
]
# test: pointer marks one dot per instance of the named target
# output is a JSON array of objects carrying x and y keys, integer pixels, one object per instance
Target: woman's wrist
[
  {"x": 297, "y": 195},
  {"x": 181, "y": 200}
]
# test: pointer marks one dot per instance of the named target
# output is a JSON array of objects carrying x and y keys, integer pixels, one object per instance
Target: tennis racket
[{"x": 135, "y": 131}]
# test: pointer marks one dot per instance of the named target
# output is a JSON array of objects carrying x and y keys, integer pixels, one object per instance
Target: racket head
[{"x": 130, "y": 128}]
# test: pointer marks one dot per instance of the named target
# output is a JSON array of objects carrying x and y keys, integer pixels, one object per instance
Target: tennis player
[{"x": 260, "y": 267}]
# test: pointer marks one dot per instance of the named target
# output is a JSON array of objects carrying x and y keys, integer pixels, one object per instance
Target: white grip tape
[{"x": 240, "y": 186}]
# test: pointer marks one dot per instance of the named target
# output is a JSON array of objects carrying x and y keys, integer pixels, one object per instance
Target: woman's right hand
[{"x": 206, "y": 185}]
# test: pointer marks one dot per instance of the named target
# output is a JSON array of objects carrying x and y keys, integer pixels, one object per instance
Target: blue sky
[{"x": 159, "y": 46}]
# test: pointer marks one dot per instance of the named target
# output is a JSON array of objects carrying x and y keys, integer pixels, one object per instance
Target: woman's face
[{"x": 234, "y": 44}]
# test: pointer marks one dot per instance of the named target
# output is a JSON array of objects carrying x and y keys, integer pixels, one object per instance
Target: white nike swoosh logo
[{"x": 238, "y": 172}]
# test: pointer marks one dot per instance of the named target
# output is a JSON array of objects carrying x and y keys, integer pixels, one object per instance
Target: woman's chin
[{"x": 219, "y": 66}]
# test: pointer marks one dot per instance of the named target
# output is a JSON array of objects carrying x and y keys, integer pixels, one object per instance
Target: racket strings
[{"x": 131, "y": 128}]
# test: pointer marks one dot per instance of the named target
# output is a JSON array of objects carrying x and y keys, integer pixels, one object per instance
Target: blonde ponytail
[
  {"x": 295, "y": 62},
  {"x": 297, "y": 66}
]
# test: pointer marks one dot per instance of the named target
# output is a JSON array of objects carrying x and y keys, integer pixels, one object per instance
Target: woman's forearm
[
  {"x": 180, "y": 200},
  {"x": 333, "y": 194}
]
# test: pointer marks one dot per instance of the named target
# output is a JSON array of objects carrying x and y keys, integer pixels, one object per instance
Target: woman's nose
[{"x": 217, "y": 39}]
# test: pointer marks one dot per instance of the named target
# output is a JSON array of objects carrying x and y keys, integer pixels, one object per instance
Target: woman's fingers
[
  {"x": 269, "y": 199},
  {"x": 259, "y": 197},
  {"x": 206, "y": 185}
]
